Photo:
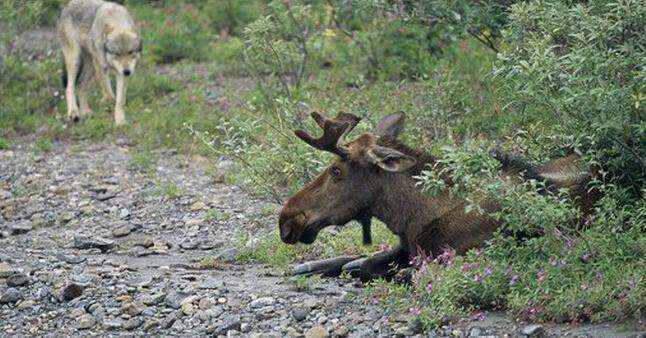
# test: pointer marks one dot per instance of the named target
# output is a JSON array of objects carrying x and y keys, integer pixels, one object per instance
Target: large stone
[
  {"x": 262, "y": 302},
  {"x": 132, "y": 323},
  {"x": 6, "y": 270},
  {"x": 533, "y": 330},
  {"x": 10, "y": 296},
  {"x": 18, "y": 279},
  {"x": 174, "y": 299},
  {"x": 21, "y": 228},
  {"x": 123, "y": 230},
  {"x": 71, "y": 291},
  {"x": 84, "y": 243},
  {"x": 317, "y": 332},
  {"x": 86, "y": 321}
]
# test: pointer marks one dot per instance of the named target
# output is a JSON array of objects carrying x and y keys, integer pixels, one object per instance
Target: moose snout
[{"x": 290, "y": 227}]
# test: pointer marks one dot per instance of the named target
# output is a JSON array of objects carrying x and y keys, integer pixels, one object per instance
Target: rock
[
  {"x": 476, "y": 331},
  {"x": 71, "y": 259},
  {"x": 77, "y": 312},
  {"x": 154, "y": 299},
  {"x": 21, "y": 228},
  {"x": 26, "y": 304},
  {"x": 229, "y": 323},
  {"x": 151, "y": 324},
  {"x": 112, "y": 324},
  {"x": 10, "y": 296},
  {"x": 210, "y": 245},
  {"x": 123, "y": 298},
  {"x": 211, "y": 283},
  {"x": 106, "y": 196},
  {"x": 6, "y": 270},
  {"x": 188, "y": 309},
  {"x": 206, "y": 303},
  {"x": 145, "y": 242},
  {"x": 18, "y": 279},
  {"x": 222, "y": 170},
  {"x": 132, "y": 323},
  {"x": 123, "y": 230},
  {"x": 174, "y": 299},
  {"x": 197, "y": 206},
  {"x": 189, "y": 244},
  {"x": 84, "y": 243},
  {"x": 299, "y": 314},
  {"x": 262, "y": 302},
  {"x": 317, "y": 332},
  {"x": 341, "y": 331},
  {"x": 86, "y": 321},
  {"x": 124, "y": 213},
  {"x": 533, "y": 330},
  {"x": 71, "y": 291},
  {"x": 132, "y": 309}
]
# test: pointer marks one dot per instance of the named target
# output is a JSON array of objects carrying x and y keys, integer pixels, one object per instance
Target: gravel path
[{"x": 90, "y": 246}]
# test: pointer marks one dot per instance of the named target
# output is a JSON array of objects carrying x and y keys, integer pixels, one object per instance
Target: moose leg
[
  {"x": 380, "y": 264},
  {"x": 366, "y": 221}
]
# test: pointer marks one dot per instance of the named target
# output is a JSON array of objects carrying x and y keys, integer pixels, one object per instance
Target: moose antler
[{"x": 333, "y": 132}]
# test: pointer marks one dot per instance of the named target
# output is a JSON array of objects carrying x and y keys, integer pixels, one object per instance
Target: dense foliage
[{"x": 540, "y": 77}]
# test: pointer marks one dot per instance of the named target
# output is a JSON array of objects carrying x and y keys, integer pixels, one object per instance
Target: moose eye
[{"x": 335, "y": 172}]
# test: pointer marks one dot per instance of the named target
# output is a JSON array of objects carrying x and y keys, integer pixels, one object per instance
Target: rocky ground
[{"x": 91, "y": 245}]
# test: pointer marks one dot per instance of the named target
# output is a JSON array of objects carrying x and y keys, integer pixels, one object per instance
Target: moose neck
[{"x": 401, "y": 205}]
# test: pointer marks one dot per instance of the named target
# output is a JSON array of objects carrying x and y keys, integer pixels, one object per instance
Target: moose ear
[
  {"x": 390, "y": 159},
  {"x": 391, "y": 126}
]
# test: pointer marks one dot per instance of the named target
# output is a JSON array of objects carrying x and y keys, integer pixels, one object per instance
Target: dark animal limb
[
  {"x": 327, "y": 267},
  {"x": 366, "y": 221},
  {"x": 384, "y": 264}
]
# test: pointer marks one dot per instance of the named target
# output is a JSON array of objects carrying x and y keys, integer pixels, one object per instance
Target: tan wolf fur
[{"x": 98, "y": 38}]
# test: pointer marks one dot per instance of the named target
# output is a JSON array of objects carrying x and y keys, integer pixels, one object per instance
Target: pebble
[
  {"x": 10, "y": 296},
  {"x": 5, "y": 270},
  {"x": 71, "y": 291},
  {"x": 533, "y": 330},
  {"x": 84, "y": 243},
  {"x": 112, "y": 324},
  {"x": 21, "y": 228},
  {"x": 123, "y": 230},
  {"x": 317, "y": 332},
  {"x": 18, "y": 279},
  {"x": 132, "y": 323},
  {"x": 86, "y": 321},
  {"x": 174, "y": 299},
  {"x": 262, "y": 302},
  {"x": 299, "y": 314}
]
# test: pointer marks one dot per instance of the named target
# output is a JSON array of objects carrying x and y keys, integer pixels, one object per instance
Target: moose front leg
[
  {"x": 384, "y": 264},
  {"x": 366, "y": 221}
]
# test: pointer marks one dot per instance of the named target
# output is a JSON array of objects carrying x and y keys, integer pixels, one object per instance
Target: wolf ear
[
  {"x": 140, "y": 45},
  {"x": 391, "y": 126},
  {"x": 389, "y": 159}
]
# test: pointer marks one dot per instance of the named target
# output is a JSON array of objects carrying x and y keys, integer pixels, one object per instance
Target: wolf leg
[
  {"x": 119, "y": 114},
  {"x": 104, "y": 80},
  {"x": 85, "y": 80},
  {"x": 73, "y": 64}
]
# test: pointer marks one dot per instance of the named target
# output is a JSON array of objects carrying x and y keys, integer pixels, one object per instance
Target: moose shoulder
[{"x": 372, "y": 176}]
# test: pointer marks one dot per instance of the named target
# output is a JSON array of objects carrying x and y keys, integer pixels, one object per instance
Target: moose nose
[
  {"x": 127, "y": 72},
  {"x": 286, "y": 226}
]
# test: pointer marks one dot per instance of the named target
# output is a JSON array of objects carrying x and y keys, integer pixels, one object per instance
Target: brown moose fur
[{"x": 372, "y": 177}]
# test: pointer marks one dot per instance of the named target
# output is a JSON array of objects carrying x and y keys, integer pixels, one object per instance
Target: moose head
[{"x": 349, "y": 186}]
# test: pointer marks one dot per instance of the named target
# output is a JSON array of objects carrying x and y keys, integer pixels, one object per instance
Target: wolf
[{"x": 98, "y": 38}]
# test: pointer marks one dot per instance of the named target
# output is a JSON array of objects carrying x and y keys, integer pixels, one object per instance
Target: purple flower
[
  {"x": 477, "y": 278},
  {"x": 429, "y": 287},
  {"x": 446, "y": 257},
  {"x": 488, "y": 271},
  {"x": 469, "y": 266},
  {"x": 513, "y": 280},
  {"x": 415, "y": 311}
]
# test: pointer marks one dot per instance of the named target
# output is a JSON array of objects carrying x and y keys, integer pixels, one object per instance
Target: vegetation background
[{"x": 233, "y": 78}]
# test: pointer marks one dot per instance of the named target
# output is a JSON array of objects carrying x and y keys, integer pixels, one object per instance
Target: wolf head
[{"x": 122, "y": 50}]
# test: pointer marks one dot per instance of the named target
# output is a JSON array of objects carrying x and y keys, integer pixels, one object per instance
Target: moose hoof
[{"x": 327, "y": 267}]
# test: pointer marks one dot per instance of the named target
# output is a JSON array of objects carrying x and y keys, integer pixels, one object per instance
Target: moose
[{"x": 373, "y": 176}]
